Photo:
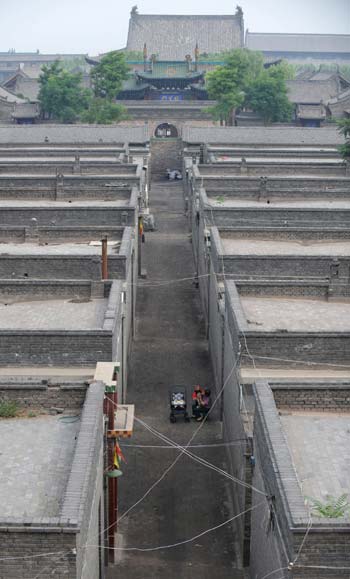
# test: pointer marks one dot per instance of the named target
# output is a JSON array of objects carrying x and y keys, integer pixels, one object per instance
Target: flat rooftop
[
  {"x": 279, "y": 160},
  {"x": 73, "y": 249},
  {"x": 75, "y": 202},
  {"x": 313, "y": 373},
  {"x": 277, "y": 149},
  {"x": 32, "y": 372},
  {"x": 296, "y": 314},
  {"x": 57, "y": 159},
  {"x": 52, "y": 314},
  {"x": 263, "y": 246},
  {"x": 35, "y": 461},
  {"x": 279, "y": 203},
  {"x": 319, "y": 445}
]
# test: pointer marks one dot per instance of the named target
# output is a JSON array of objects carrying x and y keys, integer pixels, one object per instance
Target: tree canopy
[
  {"x": 267, "y": 95},
  {"x": 63, "y": 98},
  {"x": 243, "y": 81},
  {"x": 107, "y": 76},
  {"x": 61, "y": 95},
  {"x": 104, "y": 112}
]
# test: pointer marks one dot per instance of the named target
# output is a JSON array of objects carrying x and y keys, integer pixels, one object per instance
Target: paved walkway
[{"x": 170, "y": 348}]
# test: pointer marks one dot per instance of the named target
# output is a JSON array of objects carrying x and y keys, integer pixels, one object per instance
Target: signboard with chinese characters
[{"x": 172, "y": 96}]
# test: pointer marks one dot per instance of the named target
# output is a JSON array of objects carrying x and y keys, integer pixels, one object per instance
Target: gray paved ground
[
  {"x": 35, "y": 460},
  {"x": 314, "y": 440},
  {"x": 93, "y": 248},
  {"x": 296, "y": 314},
  {"x": 74, "y": 202},
  {"x": 171, "y": 348},
  {"x": 323, "y": 202},
  {"x": 261, "y": 246},
  {"x": 52, "y": 314}
]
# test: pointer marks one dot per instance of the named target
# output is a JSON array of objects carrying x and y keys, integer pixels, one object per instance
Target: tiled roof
[
  {"x": 317, "y": 43},
  {"x": 173, "y": 37},
  {"x": 312, "y": 91},
  {"x": 70, "y": 134},
  {"x": 35, "y": 57},
  {"x": 26, "y": 111},
  {"x": 166, "y": 69},
  {"x": 263, "y": 135},
  {"x": 9, "y": 96},
  {"x": 341, "y": 97},
  {"x": 311, "y": 112}
]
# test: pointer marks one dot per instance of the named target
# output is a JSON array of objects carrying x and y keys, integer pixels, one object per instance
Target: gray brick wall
[
  {"x": 44, "y": 395},
  {"x": 60, "y": 267},
  {"x": 70, "y": 216},
  {"x": 314, "y": 397},
  {"x": 19, "y": 541},
  {"x": 165, "y": 154},
  {"x": 84, "y": 494},
  {"x": 278, "y": 540},
  {"x": 68, "y": 187}
]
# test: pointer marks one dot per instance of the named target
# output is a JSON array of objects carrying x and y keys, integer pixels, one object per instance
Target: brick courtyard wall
[
  {"x": 81, "y": 516},
  {"x": 267, "y": 216},
  {"x": 67, "y": 187},
  {"x": 43, "y": 395},
  {"x": 22, "y": 541},
  {"x": 279, "y": 524},
  {"x": 56, "y": 348},
  {"x": 274, "y": 168},
  {"x": 289, "y": 185},
  {"x": 165, "y": 154},
  {"x": 15, "y": 234},
  {"x": 62, "y": 267},
  {"x": 316, "y": 397},
  {"x": 83, "y": 501},
  {"x": 285, "y": 234},
  {"x": 68, "y": 216},
  {"x": 50, "y": 167}
]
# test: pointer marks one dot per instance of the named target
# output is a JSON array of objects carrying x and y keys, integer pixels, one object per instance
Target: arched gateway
[{"x": 166, "y": 131}]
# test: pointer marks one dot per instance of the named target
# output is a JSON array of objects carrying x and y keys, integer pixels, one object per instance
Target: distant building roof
[
  {"x": 312, "y": 92},
  {"x": 311, "y": 112},
  {"x": 166, "y": 69},
  {"x": 9, "y": 97},
  {"x": 172, "y": 37},
  {"x": 35, "y": 57},
  {"x": 21, "y": 84},
  {"x": 26, "y": 111},
  {"x": 312, "y": 43}
]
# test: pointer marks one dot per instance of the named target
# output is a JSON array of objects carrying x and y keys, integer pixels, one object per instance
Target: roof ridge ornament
[{"x": 134, "y": 11}]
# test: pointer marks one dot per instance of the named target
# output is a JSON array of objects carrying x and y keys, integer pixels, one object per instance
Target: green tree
[
  {"x": 228, "y": 84},
  {"x": 61, "y": 95},
  {"x": 104, "y": 112},
  {"x": 108, "y": 75},
  {"x": 344, "y": 128},
  {"x": 267, "y": 94}
]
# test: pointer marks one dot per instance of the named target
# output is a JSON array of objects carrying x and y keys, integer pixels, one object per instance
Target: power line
[{"x": 185, "y": 541}]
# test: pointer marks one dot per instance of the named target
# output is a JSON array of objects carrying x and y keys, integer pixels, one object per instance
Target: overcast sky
[{"x": 94, "y": 26}]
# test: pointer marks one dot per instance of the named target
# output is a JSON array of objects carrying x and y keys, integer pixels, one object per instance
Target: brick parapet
[
  {"x": 44, "y": 395},
  {"x": 87, "y": 450},
  {"x": 313, "y": 397}
]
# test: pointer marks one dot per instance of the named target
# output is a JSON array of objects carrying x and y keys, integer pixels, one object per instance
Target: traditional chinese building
[
  {"x": 173, "y": 37},
  {"x": 166, "y": 80}
]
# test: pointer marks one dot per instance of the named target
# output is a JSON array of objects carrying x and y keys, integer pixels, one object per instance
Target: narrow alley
[{"x": 170, "y": 348}]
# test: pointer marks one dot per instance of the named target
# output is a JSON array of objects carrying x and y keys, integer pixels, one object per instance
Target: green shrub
[
  {"x": 332, "y": 508},
  {"x": 8, "y": 409}
]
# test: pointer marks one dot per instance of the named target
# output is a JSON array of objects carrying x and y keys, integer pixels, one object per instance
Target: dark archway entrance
[{"x": 166, "y": 131}]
